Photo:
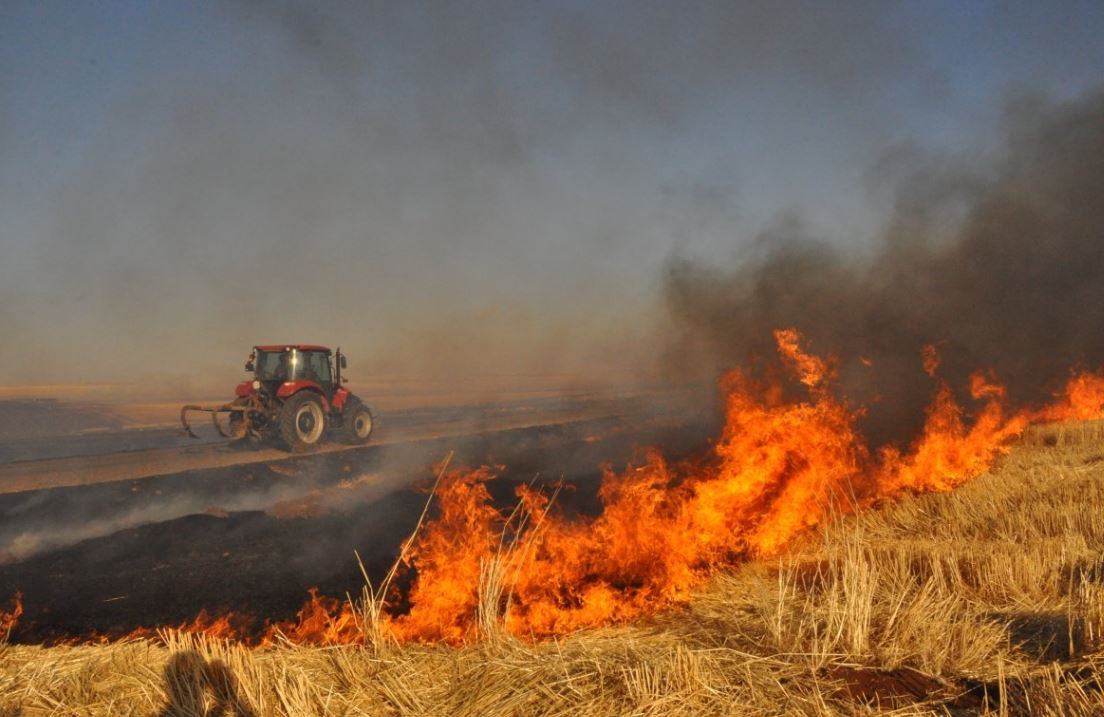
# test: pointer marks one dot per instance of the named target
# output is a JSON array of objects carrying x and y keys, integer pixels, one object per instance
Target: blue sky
[{"x": 493, "y": 188}]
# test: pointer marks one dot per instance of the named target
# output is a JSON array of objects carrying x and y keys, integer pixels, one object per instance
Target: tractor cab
[{"x": 286, "y": 369}]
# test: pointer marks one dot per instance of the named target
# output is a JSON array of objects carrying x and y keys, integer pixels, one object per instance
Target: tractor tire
[
  {"x": 302, "y": 422},
  {"x": 357, "y": 423}
]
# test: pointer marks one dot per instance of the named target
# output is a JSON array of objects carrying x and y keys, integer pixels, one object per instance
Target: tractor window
[
  {"x": 318, "y": 367},
  {"x": 272, "y": 366},
  {"x": 293, "y": 365}
]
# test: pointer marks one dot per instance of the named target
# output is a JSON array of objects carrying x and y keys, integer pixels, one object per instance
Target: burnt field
[{"x": 254, "y": 538}]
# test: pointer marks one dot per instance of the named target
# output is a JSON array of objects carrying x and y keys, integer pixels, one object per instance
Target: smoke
[
  {"x": 440, "y": 189},
  {"x": 550, "y": 437},
  {"x": 997, "y": 262},
  {"x": 447, "y": 190}
]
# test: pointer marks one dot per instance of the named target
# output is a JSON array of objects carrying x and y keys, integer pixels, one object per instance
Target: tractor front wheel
[
  {"x": 302, "y": 422},
  {"x": 357, "y": 422}
]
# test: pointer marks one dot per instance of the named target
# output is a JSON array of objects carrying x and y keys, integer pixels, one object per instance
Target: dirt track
[{"x": 96, "y": 461}]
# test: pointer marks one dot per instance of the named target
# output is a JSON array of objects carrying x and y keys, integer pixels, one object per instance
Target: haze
[{"x": 462, "y": 190}]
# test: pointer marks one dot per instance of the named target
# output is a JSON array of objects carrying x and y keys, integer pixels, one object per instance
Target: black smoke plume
[{"x": 1001, "y": 266}]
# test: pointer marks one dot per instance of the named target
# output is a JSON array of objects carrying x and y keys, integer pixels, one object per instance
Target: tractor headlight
[{"x": 256, "y": 385}]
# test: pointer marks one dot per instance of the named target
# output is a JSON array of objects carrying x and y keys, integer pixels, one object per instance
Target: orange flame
[
  {"x": 448, "y": 554},
  {"x": 948, "y": 453},
  {"x": 321, "y": 621},
  {"x": 10, "y": 618},
  {"x": 777, "y": 470},
  {"x": 811, "y": 370},
  {"x": 1081, "y": 400},
  {"x": 228, "y": 625},
  {"x": 931, "y": 359}
]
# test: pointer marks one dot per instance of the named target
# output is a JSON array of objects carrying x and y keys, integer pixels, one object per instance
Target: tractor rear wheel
[
  {"x": 357, "y": 423},
  {"x": 302, "y": 422}
]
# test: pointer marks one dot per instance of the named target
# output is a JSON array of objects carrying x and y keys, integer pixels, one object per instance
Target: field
[{"x": 988, "y": 599}]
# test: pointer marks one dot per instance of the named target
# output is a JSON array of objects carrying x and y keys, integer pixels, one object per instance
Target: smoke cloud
[
  {"x": 451, "y": 190},
  {"x": 998, "y": 263}
]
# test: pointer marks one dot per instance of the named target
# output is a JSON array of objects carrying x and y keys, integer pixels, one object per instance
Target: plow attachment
[{"x": 240, "y": 419}]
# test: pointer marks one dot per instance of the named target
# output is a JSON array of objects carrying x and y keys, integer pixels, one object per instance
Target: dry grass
[
  {"x": 1080, "y": 433},
  {"x": 986, "y": 600}
]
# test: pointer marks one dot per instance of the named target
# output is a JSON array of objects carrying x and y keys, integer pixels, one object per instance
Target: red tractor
[{"x": 295, "y": 398}]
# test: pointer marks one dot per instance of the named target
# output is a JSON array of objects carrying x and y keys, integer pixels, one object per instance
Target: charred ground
[{"x": 254, "y": 539}]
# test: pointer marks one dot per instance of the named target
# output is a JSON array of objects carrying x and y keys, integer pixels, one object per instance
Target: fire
[
  {"x": 321, "y": 621},
  {"x": 229, "y": 625},
  {"x": 949, "y": 453},
  {"x": 931, "y": 358},
  {"x": 449, "y": 554},
  {"x": 10, "y": 618},
  {"x": 1082, "y": 399},
  {"x": 811, "y": 371},
  {"x": 779, "y": 467}
]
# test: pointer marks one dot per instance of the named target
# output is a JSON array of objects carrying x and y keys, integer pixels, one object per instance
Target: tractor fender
[
  {"x": 289, "y": 388},
  {"x": 341, "y": 396},
  {"x": 243, "y": 389}
]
